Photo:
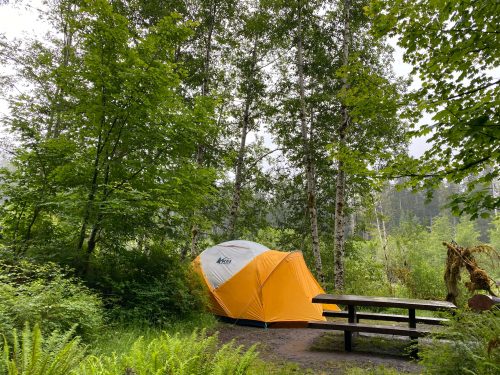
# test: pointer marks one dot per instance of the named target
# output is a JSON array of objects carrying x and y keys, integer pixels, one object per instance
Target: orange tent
[{"x": 249, "y": 282}]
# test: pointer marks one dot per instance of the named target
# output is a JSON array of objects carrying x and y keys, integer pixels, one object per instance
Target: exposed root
[{"x": 462, "y": 257}]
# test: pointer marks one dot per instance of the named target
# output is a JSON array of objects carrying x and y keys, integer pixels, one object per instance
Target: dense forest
[{"x": 140, "y": 133}]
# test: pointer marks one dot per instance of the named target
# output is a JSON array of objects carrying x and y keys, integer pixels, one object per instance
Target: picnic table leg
[
  {"x": 348, "y": 334},
  {"x": 412, "y": 322}
]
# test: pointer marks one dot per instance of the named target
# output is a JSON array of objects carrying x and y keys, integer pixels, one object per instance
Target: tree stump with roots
[{"x": 459, "y": 258}]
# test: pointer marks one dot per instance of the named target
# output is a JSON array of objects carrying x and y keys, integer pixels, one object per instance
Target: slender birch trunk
[
  {"x": 238, "y": 180},
  {"x": 494, "y": 195},
  {"x": 239, "y": 170},
  {"x": 382, "y": 234},
  {"x": 205, "y": 90},
  {"x": 308, "y": 160},
  {"x": 16, "y": 228},
  {"x": 339, "y": 241},
  {"x": 352, "y": 227}
]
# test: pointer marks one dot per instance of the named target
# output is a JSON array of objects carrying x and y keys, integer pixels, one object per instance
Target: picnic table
[{"x": 353, "y": 316}]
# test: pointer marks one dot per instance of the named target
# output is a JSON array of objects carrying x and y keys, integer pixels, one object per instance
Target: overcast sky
[{"x": 23, "y": 20}]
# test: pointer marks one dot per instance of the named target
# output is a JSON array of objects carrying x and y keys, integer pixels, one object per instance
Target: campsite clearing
[{"x": 321, "y": 351}]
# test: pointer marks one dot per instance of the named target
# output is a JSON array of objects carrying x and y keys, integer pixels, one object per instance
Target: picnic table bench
[{"x": 353, "y": 325}]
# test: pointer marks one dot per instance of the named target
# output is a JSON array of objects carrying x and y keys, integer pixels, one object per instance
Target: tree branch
[
  {"x": 468, "y": 92},
  {"x": 445, "y": 172}
]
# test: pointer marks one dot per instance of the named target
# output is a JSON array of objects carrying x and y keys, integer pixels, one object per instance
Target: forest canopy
[
  {"x": 139, "y": 133},
  {"x": 144, "y": 131},
  {"x": 453, "y": 47}
]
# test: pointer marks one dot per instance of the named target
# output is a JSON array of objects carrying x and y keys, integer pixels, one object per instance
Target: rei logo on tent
[{"x": 223, "y": 260}]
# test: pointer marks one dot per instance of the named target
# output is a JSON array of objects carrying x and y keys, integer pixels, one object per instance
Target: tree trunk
[
  {"x": 88, "y": 207},
  {"x": 352, "y": 227},
  {"x": 205, "y": 89},
  {"x": 195, "y": 231},
  {"x": 96, "y": 228},
  {"x": 494, "y": 195},
  {"x": 308, "y": 160},
  {"x": 54, "y": 128},
  {"x": 92, "y": 193},
  {"x": 208, "y": 51},
  {"x": 233, "y": 214},
  {"x": 27, "y": 237},
  {"x": 108, "y": 157},
  {"x": 339, "y": 241},
  {"x": 16, "y": 228},
  {"x": 245, "y": 125},
  {"x": 382, "y": 234}
]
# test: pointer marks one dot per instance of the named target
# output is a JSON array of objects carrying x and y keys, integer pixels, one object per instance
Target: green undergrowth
[
  {"x": 471, "y": 345},
  {"x": 119, "y": 337},
  {"x": 174, "y": 354},
  {"x": 48, "y": 295},
  {"x": 132, "y": 351},
  {"x": 116, "y": 342}
]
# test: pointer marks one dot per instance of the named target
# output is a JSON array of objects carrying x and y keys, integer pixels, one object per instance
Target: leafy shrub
[
  {"x": 152, "y": 286},
  {"x": 417, "y": 257},
  {"x": 424, "y": 280},
  {"x": 473, "y": 346},
  {"x": 364, "y": 273},
  {"x": 46, "y": 294},
  {"x": 32, "y": 355},
  {"x": 278, "y": 239}
]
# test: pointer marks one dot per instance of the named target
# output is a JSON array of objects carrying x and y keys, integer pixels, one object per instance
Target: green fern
[
  {"x": 32, "y": 355},
  {"x": 174, "y": 354},
  {"x": 231, "y": 360},
  {"x": 472, "y": 347}
]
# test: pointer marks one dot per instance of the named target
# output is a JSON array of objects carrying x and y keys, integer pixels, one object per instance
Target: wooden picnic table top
[{"x": 404, "y": 303}]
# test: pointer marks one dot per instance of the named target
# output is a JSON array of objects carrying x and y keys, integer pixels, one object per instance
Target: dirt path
[{"x": 320, "y": 350}]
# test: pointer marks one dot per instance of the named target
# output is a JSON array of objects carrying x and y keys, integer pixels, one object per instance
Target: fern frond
[{"x": 4, "y": 361}]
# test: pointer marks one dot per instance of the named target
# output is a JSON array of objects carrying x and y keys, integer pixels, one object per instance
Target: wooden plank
[
  {"x": 368, "y": 328},
  {"x": 412, "y": 324},
  {"x": 351, "y": 318},
  {"x": 384, "y": 317},
  {"x": 383, "y": 302}
]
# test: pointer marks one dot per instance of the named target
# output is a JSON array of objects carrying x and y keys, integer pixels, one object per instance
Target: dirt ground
[{"x": 322, "y": 351}]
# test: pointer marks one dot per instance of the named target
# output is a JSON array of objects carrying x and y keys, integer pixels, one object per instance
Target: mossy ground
[{"x": 362, "y": 343}]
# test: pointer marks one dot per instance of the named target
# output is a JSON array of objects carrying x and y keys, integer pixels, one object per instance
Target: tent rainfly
[{"x": 249, "y": 283}]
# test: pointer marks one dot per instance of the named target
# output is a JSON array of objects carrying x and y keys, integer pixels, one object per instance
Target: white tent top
[{"x": 220, "y": 262}]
